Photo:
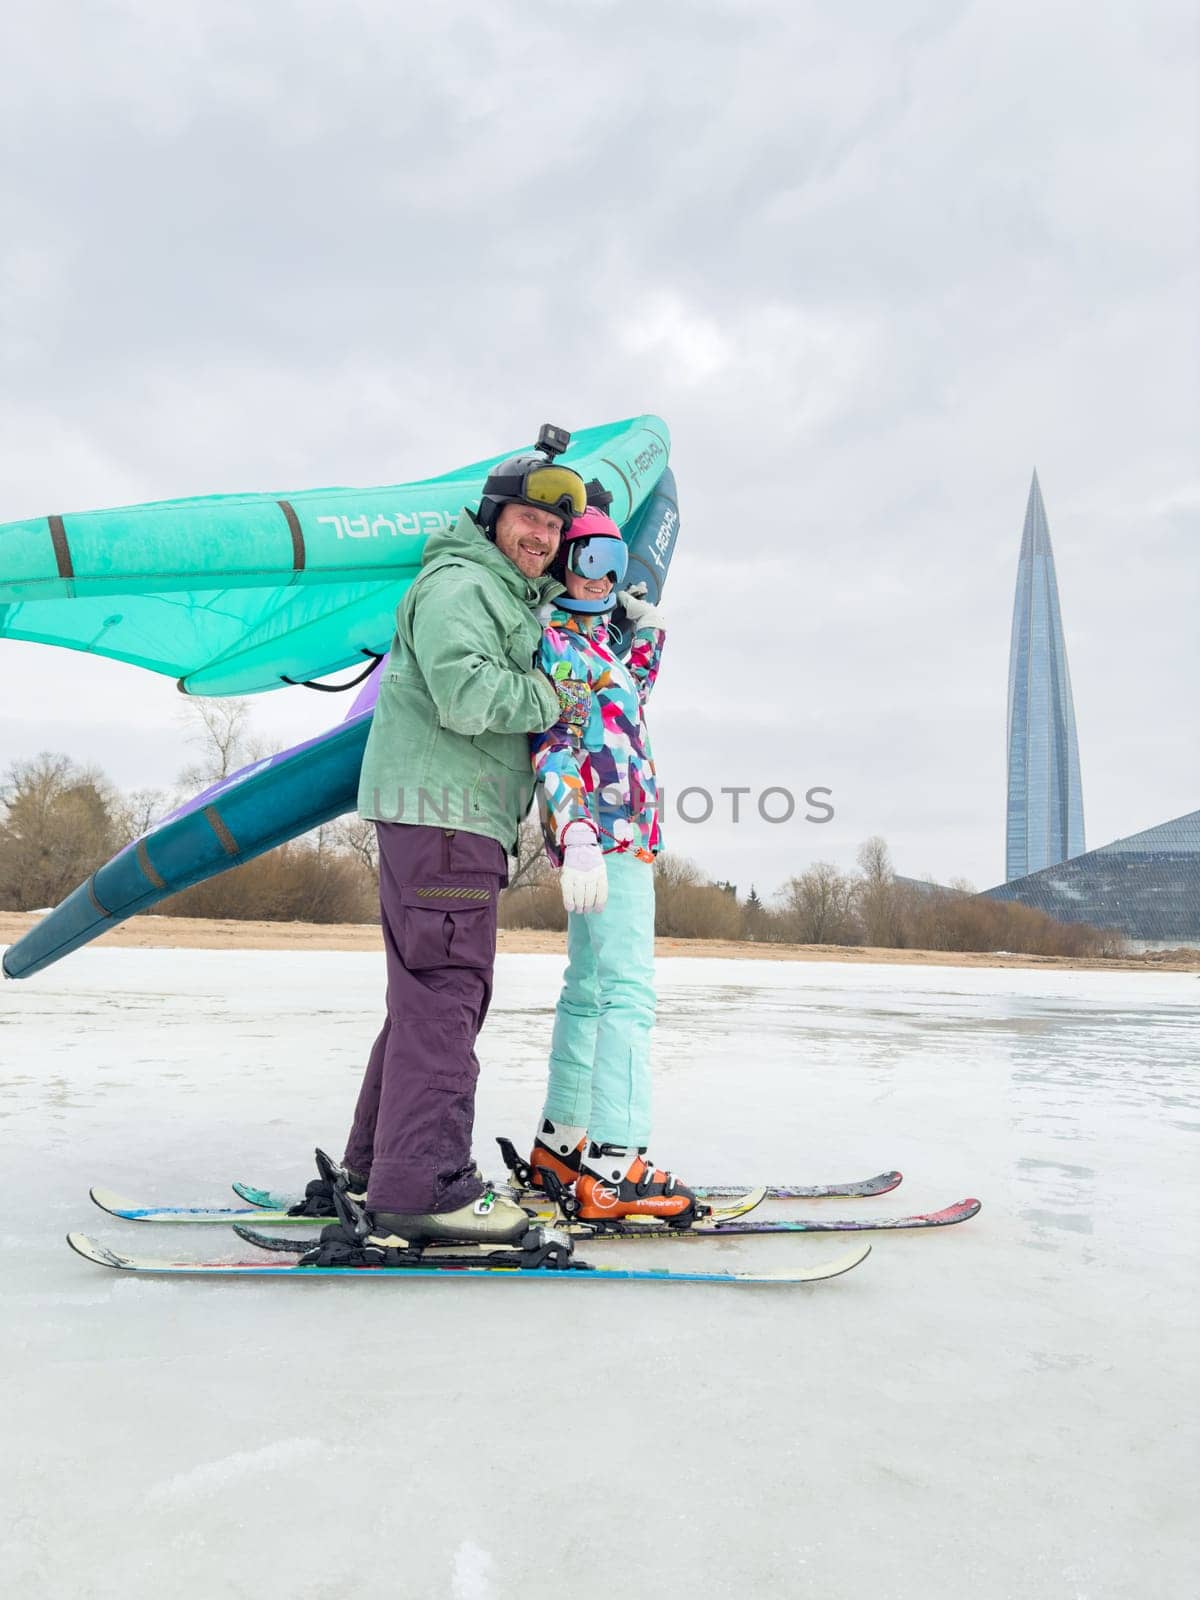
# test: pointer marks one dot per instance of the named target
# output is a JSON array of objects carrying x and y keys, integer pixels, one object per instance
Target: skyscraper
[{"x": 1045, "y": 795}]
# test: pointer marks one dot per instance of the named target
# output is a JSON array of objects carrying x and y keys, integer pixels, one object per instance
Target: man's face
[{"x": 528, "y": 537}]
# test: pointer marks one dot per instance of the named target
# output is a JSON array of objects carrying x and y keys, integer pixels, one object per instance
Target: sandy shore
[{"x": 143, "y": 933}]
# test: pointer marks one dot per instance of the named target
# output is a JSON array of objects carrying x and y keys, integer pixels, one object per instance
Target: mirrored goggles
[
  {"x": 592, "y": 559},
  {"x": 556, "y": 488}
]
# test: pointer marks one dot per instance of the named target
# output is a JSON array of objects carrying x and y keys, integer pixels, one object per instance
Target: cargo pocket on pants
[{"x": 448, "y": 925}]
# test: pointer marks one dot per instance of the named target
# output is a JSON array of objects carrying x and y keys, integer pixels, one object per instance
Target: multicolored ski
[
  {"x": 518, "y": 1171},
  {"x": 458, "y": 1267},
  {"x": 539, "y": 1211},
  {"x": 703, "y": 1228},
  {"x": 725, "y": 1220}
]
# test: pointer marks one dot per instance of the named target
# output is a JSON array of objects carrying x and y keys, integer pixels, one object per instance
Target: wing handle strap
[{"x": 338, "y": 688}]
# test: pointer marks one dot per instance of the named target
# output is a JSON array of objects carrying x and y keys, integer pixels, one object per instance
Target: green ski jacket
[{"x": 460, "y": 694}]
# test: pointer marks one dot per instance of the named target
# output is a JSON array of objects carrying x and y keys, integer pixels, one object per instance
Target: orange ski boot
[
  {"x": 616, "y": 1181},
  {"x": 556, "y": 1149}
]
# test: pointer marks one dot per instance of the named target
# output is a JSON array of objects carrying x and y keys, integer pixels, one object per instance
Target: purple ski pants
[{"x": 438, "y": 890}]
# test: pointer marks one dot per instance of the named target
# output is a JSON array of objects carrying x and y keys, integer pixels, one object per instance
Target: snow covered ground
[{"x": 1001, "y": 1409}]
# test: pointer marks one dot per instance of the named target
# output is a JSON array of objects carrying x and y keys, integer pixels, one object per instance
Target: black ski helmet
[{"x": 534, "y": 480}]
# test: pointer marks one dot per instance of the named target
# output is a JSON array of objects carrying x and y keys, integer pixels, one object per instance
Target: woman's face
[
  {"x": 580, "y": 588},
  {"x": 593, "y": 565}
]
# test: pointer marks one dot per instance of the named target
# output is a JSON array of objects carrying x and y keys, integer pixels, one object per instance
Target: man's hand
[
  {"x": 584, "y": 876},
  {"x": 639, "y": 610}
]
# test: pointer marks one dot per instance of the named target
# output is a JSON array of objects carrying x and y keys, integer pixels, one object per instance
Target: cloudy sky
[{"x": 872, "y": 264}]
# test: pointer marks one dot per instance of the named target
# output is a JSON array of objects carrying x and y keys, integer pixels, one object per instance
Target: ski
[
  {"x": 861, "y": 1188},
  {"x": 129, "y": 1211},
  {"x": 458, "y": 1267},
  {"x": 636, "y": 1227},
  {"x": 117, "y": 1206},
  {"x": 702, "y": 1228},
  {"x": 882, "y": 1183},
  {"x": 651, "y": 1228}
]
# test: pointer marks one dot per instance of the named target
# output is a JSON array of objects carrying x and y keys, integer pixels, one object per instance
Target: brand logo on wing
[
  {"x": 661, "y": 543},
  {"x": 368, "y": 527},
  {"x": 643, "y": 461}
]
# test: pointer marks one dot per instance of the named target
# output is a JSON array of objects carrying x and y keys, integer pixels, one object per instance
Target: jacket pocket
[
  {"x": 509, "y": 750},
  {"x": 447, "y": 925}
]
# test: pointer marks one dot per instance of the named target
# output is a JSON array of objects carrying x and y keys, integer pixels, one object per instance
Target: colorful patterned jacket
[{"x": 606, "y": 774}]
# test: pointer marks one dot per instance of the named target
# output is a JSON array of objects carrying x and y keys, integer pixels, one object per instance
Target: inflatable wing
[
  {"x": 232, "y": 594},
  {"x": 651, "y": 540},
  {"x": 263, "y": 805},
  {"x": 272, "y": 801}
]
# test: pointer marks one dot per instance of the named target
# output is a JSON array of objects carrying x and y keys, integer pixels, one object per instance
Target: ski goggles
[
  {"x": 556, "y": 488},
  {"x": 597, "y": 558}
]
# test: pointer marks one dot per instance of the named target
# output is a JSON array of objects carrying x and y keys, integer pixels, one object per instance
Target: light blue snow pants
[{"x": 600, "y": 1050}]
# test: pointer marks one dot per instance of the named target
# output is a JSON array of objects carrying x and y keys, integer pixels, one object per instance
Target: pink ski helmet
[{"x": 593, "y": 548}]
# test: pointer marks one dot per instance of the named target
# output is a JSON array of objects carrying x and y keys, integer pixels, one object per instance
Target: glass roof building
[
  {"x": 1147, "y": 887},
  {"x": 1045, "y": 795}
]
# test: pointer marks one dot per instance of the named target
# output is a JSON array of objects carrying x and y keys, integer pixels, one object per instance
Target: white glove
[
  {"x": 639, "y": 610},
  {"x": 584, "y": 875}
]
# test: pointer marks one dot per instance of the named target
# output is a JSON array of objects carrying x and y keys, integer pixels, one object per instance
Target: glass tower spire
[{"x": 1045, "y": 795}]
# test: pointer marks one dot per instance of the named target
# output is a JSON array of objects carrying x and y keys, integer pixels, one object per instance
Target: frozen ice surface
[{"x": 999, "y": 1409}]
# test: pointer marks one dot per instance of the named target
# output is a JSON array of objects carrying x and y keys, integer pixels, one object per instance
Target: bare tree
[
  {"x": 57, "y": 827},
  {"x": 532, "y": 899},
  {"x": 879, "y": 899},
  {"x": 818, "y": 906},
  {"x": 220, "y": 729},
  {"x": 137, "y": 812},
  {"x": 356, "y": 836},
  {"x": 530, "y": 867}
]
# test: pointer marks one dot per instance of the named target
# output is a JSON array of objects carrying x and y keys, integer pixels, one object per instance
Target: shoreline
[{"x": 197, "y": 933}]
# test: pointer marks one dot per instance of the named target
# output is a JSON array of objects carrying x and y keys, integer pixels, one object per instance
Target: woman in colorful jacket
[{"x": 600, "y": 817}]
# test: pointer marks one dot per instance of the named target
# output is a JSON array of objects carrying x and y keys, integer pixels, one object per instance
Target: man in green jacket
[{"x": 447, "y": 779}]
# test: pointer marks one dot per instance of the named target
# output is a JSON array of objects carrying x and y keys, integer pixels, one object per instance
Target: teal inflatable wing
[
  {"x": 264, "y": 805},
  {"x": 232, "y": 594},
  {"x": 278, "y": 798}
]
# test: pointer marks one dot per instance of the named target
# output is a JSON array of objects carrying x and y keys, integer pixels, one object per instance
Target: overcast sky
[{"x": 872, "y": 264}]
